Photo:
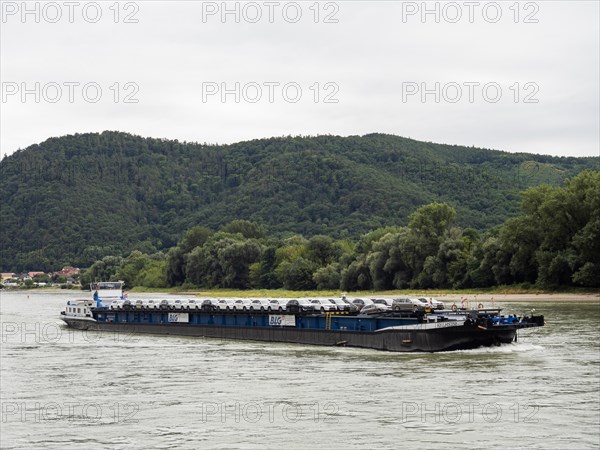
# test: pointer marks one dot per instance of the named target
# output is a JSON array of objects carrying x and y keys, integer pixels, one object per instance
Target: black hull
[{"x": 422, "y": 340}]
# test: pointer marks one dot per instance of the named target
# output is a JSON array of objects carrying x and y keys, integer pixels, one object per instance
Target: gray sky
[{"x": 521, "y": 78}]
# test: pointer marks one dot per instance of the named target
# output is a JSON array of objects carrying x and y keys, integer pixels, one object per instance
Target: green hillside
[{"x": 75, "y": 199}]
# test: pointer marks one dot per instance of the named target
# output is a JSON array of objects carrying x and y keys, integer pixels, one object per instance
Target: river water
[{"x": 71, "y": 389}]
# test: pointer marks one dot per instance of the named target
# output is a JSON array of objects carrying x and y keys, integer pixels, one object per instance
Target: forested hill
[{"x": 74, "y": 199}]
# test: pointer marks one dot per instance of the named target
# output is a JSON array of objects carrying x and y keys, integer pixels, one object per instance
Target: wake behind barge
[{"x": 395, "y": 331}]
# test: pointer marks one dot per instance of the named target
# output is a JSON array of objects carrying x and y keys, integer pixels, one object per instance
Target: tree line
[
  {"x": 553, "y": 242},
  {"x": 72, "y": 200}
]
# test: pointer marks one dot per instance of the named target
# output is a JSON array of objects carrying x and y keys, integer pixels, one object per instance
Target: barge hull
[{"x": 426, "y": 340}]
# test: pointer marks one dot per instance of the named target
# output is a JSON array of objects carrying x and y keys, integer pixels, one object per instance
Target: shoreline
[
  {"x": 456, "y": 297},
  {"x": 472, "y": 298}
]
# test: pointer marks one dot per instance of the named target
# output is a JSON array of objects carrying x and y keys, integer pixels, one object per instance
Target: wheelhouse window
[{"x": 107, "y": 285}]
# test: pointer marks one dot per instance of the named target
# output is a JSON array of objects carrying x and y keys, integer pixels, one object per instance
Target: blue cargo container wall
[{"x": 313, "y": 322}]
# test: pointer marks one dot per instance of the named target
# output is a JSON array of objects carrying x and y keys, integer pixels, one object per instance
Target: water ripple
[{"x": 174, "y": 392}]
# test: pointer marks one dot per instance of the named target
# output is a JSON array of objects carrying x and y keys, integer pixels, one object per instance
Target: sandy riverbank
[
  {"x": 472, "y": 298},
  {"x": 448, "y": 297}
]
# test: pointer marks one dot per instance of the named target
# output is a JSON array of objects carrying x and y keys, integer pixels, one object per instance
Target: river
[{"x": 62, "y": 388}]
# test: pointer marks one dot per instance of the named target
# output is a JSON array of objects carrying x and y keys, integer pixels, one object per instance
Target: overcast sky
[{"x": 521, "y": 78}]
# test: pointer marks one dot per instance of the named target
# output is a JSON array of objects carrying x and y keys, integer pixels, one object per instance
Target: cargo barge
[{"x": 397, "y": 331}]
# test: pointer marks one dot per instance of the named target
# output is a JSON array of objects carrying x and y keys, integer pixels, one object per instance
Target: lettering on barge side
[
  {"x": 179, "y": 318},
  {"x": 282, "y": 320}
]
